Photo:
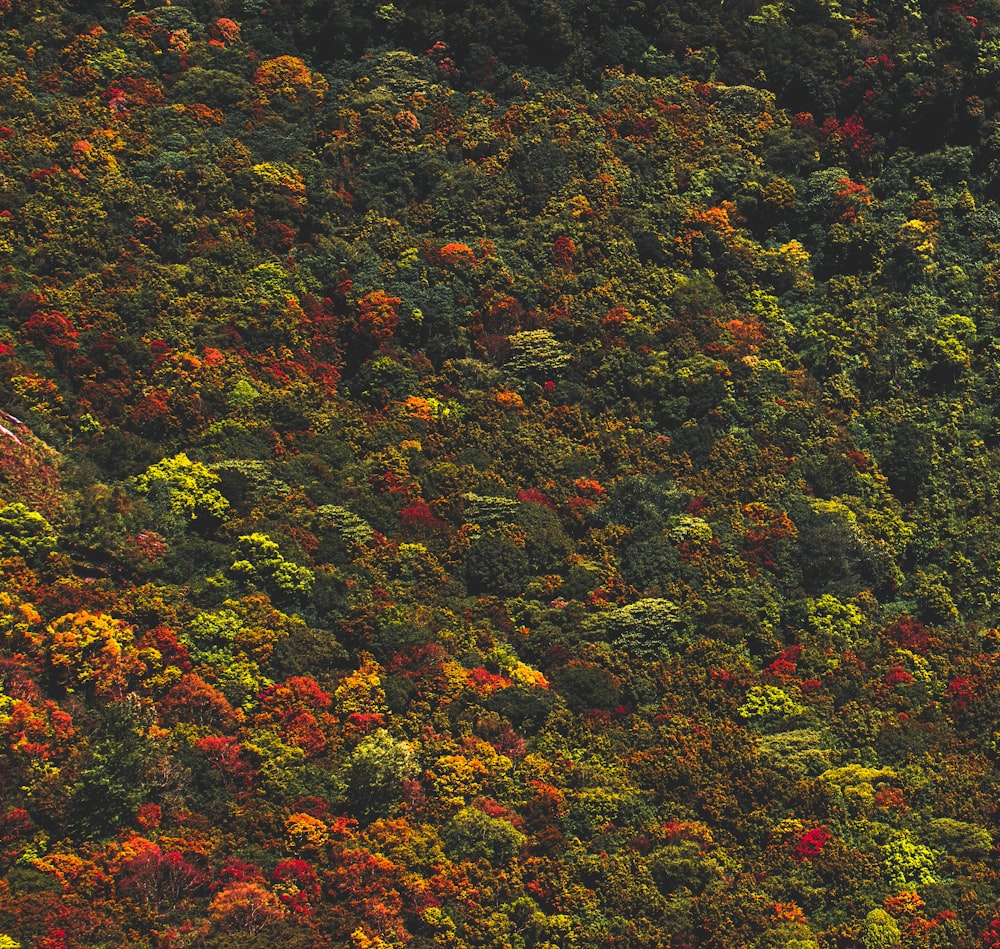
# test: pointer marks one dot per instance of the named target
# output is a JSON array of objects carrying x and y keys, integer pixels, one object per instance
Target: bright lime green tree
[
  {"x": 184, "y": 490},
  {"x": 260, "y": 562},
  {"x": 24, "y": 532},
  {"x": 880, "y": 931},
  {"x": 768, "y": 704}
]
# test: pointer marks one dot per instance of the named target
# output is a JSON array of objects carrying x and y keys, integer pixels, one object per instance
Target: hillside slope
[{"x": 532, "y": 487}]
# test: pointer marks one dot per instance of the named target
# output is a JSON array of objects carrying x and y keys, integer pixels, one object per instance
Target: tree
[
  {"x": 374, "y": 774},
  {"x": 586, "y": 686},
  {"x": 770, "y": 705},
  {"x": 474, "y": 834},
  {"x": 536, "y": 356},
  {"x": 495, "y": 564},
  {"x": 908, "y": 862},
  {"x": 261, "y": 563},
  {"x": 287, "y": 84},
  {"x": 91, "y": 650},
  {"x": 788, "y": 935},
  {"x": 880, "y": 931},
  {"x": 183, "y": 490},
  {"x": 245, "y": 905},
  {"x": 153, "y": 877},
  {"x": 116, "y": 770},
  {"x": 192, "y": 699},
  {"x": 651, "y": 626},
  {"x": 25, "y": 533}
]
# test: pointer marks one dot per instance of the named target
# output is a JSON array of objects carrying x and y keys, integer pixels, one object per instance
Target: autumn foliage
[{"x": 515, "y": 476}]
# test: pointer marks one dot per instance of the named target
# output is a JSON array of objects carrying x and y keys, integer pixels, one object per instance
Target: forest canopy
[{"x": 499, "y": 475}]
